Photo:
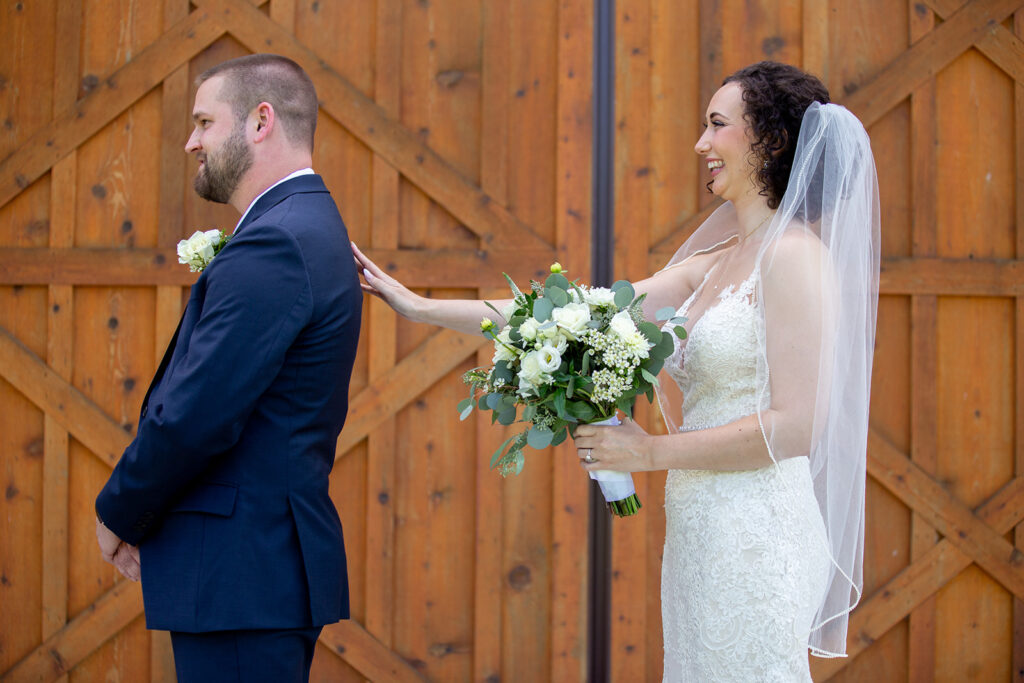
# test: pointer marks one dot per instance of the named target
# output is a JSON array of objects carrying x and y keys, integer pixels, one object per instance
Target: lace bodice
[
  {"x": 717, "y": 366},
  {"x": 744, "y": 563}
]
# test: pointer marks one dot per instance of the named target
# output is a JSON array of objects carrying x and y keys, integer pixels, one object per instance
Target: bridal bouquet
[{"x": 569, "y": 355}]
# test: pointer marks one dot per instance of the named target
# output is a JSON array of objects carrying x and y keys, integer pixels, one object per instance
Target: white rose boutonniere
[{"x": 198, "y": 250}]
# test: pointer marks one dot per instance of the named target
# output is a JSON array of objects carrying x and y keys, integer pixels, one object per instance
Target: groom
[{"x": 224, "y": 491}]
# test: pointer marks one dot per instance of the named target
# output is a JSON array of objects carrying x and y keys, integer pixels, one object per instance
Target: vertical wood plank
[
  {"x": 1018, "y": 91},
  {"x": 815, "y": 38},
  {"x": 175, "y": 112},
  {"x": 712, "y": 68},
  {"x": 633, "y": 179},
  {"x": 488, "y": 569},
  {"x": 380, "y": 465},
  {"x": 59, "y": 334},
  {"x": 924, "y": 328},
  {"x": 573, "y": 219}
]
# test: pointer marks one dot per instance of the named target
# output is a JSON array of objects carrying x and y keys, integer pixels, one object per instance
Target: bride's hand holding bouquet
[{"x": 570, "y": 355}]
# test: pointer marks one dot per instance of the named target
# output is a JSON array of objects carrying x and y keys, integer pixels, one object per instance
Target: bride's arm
[
  {"x": 463, "y": 315},
  {"x": 673, "y": 285},
  {"x": 797, "y": 312}
]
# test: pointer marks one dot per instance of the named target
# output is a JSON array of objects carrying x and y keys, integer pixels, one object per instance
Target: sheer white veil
[{"x": 832, "y": 201}]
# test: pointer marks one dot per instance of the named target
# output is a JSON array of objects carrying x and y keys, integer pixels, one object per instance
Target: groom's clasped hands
[{"x": 123, "y": 556}]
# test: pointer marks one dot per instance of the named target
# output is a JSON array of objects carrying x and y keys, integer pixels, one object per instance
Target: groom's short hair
[{"x": 274, "y": 79}]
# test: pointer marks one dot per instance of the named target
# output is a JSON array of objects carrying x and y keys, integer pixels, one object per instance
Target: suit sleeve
[{"x": 257, "y": 302}]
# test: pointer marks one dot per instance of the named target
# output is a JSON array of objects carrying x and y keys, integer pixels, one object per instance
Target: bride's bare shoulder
[{"x": 691, "y": 271}]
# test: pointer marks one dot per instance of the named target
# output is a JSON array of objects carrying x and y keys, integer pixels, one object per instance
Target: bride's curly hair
[{"x": 776, "y": 97}]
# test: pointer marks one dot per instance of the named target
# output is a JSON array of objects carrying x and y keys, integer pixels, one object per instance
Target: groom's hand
[{"x": 118, "y": 553}]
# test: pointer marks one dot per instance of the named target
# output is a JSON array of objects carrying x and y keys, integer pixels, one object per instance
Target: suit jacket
[{"x": 225, "y": 486}]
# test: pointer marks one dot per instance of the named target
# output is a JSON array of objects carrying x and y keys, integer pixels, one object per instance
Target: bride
[{"x": 766, "y": 399}]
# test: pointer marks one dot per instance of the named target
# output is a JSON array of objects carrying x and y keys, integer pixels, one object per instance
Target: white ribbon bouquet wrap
[{"x": 569, "y": 354}]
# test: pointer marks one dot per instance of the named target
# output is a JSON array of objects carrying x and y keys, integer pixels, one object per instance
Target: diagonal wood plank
[
  {"x": 72, "y": 410},
  {"x": 1000, "y": 45},
  {"x": 948, "y": 515},
  {"x": 115, "y": 93},
  {"x": 416, "y": 373},
  {"x": 95, "y": 625},
  {"x": 370, "y": 123},
  {"x": 357, "y": 646},
  {"x": 922, "y": 578},
  {"x": 931, "y": 54}
]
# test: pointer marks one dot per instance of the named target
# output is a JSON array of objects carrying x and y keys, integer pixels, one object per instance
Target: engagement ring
[{"x": 589, "y": 459}]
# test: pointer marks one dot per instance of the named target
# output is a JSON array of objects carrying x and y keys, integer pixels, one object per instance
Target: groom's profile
[{"x": 221, "y": 501}]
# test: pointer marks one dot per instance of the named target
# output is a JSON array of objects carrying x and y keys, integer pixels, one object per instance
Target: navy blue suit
[{"x": 225, "y": 487}]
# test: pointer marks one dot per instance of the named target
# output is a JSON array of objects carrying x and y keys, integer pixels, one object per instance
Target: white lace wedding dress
[{"x": 745, "y": 563}]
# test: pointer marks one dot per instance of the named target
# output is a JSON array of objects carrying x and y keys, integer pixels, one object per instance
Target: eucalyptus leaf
[
  {"x": 585, "y": 365},
  {"x": 539, "y": 438},
  {"x": 557, "y": 280},
  {"x": 619, "y": 284},
  {"x": 520, "y": 461},
  {"x": 569, "y": 387},
  {"x": 493, "y": 400},
  {"x": 559, "y": 297},
  {"x": 560, "y": 435},
  {"x": 465, "y": 407},
  {"x": 624, "y": 295},
  {"x": 502, "y": 371},
  {"x": 497, "y": 454},
  {"x": 507, "y": 416},
  {"x": 542, "y": 310},
  {"x": 665, "y": 313},
  {"x": 651, "y": 331},
  {"x": 680, "y": 332},
  {"x": 649, "y": 377}
]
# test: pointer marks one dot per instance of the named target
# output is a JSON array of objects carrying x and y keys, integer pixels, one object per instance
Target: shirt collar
[{"x": 296, "y": 174}]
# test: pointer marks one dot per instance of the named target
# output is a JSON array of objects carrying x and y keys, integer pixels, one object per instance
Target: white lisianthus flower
[
  {"x": 549, "y": 359},
  {"x": 529, "y": 329},
  {"x": 559, "y": 342},
  {"x": 502, "y": 344},
  {"x": 572, "y": 318},
  {"x": 599, "y": 297}
]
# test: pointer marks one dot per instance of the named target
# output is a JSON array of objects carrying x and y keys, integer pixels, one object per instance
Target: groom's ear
[{"x": 265, "y": 120}]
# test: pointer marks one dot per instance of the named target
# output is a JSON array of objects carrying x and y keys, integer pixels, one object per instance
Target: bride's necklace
[{"x": 758, "y": 226}]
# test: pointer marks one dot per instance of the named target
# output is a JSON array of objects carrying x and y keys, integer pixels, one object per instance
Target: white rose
[
  {"x": 622, "y": 325},
  {"x": 529, "y": 329},
  {"x": 572, "y": 318},
  {"x": 501, "y": 346},
  {"x": 600, "y": 296},
  {"x": 530, "y": 369}
]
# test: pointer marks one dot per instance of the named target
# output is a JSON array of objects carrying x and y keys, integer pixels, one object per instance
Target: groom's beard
[{"x": 220, "y": 174}]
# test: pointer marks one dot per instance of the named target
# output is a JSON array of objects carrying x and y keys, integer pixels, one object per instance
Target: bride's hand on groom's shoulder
[
  {"x": 622, "y": 448},
  {"x": 380, "y": 284}
]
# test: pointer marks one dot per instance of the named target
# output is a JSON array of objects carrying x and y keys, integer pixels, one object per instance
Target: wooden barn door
[
  {"x": 939, "y": 84},
  {"x": 455, "y": 137}
]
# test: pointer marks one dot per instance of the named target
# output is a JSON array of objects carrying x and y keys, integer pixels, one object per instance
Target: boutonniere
[{"x": 198, "y": 250}]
